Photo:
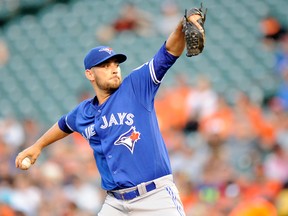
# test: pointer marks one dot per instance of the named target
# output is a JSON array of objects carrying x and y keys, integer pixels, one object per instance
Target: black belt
[{"x": 132, "y": 194}]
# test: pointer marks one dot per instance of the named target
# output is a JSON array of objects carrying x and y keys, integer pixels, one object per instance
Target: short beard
[{"x": 109, "y": 88}]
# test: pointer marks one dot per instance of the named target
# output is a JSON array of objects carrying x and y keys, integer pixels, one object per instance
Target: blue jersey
[{"x": 123, "y": 131}]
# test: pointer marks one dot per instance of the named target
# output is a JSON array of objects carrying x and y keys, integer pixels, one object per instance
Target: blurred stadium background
[
  {"x": 44, "y": 74},
  {"x": 43, "y": 77}
]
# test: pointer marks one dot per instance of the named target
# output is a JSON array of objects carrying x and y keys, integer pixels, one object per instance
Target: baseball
[{"x": 26, "y": 163}]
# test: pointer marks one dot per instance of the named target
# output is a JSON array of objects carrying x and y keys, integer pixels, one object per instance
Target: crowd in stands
[
  {"x": 134, "y": 19},
  {"x": 130, "y": 18}
]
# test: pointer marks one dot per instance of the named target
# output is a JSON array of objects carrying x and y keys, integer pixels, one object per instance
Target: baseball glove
[{"x": 194, "y": 32}]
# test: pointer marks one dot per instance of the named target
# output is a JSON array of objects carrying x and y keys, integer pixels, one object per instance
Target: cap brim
[{"x": 120, "y": 57}]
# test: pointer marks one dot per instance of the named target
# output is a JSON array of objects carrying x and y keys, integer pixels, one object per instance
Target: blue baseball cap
[{"x": 100, "y": 54}]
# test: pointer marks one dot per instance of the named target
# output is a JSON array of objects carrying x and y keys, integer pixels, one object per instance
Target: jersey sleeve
[
  {"x": 147, "y": 78},
  {"x": 63, "y": 126},
  {"x": 161, "y": 63}
]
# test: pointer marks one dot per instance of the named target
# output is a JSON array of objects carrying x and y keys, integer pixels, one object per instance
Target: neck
[{"x": 102, "y": 96}]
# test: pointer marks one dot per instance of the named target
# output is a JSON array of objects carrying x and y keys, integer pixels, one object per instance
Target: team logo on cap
[
  {"x": 129, "y": 139},
  {"x": 106, "y": 49}
]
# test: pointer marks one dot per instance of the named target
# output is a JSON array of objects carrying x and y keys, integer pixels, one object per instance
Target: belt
[{"x": 129, "y": 195}]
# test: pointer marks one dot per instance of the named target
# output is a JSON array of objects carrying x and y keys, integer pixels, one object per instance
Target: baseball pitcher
[{"x": 121, "y": 125}]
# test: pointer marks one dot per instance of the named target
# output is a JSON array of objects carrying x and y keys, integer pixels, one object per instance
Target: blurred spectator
[
  {"x": 6, "y": 189},
  {"x": 186, "y": 190},
  {"x": 4, "y": 53},
  {"x": 282, "y": 92},
  {"x": 170, "y": 16},
  {"x": 32, "y": 130},
  {"x": 254, "y": 207},
  {"x": 245, "y": 110},
  {"x": 22, "y": 190},
  {"x": 83, "y": 194},
  {"x": 220, "y": 121},
  {"x": 161, "y": 104},
  {"x": 12, "y": 132},
  {"x": 282, "y": 200},
  {"x": 280, "y": 99},
  {"x": 131, "y": 19},
  {"x": 242, "y": 153},
  {"x": 281, "y": 58},
  {"x": 276, "y": 164},
  {"x": 181, "y": 154},
  {"x": 258, "y": 186},
  {"x": 249, "y": 115},
  {"x": 282, "y": 132},
  {"x": 272, "y": 31},
  {"x": 84, "y": 94},
  {"x": 216, "y": 160},
  {"x": 166, "y": 104},
  {"x": 201, "y": 101},
  {"x": 5, "y": 159}
]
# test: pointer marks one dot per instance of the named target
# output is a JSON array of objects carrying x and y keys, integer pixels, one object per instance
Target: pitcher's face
[{"x": 107, "y": 75}]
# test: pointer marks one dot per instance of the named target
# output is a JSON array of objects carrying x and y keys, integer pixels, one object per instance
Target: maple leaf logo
[{"x": 135, "y": 136}]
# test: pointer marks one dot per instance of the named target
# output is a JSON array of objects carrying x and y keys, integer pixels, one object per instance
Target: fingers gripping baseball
[
  {"x": 24, "y": 161},
  {"x": 26, "y": 158}
]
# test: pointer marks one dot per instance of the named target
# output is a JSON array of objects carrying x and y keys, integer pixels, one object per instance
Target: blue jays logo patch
[
  {"x": 106, "y": 49},
  {"x": 129, "y": 139}
]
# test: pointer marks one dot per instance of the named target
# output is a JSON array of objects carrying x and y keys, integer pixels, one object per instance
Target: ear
[{"x": 89, "y": 74}]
